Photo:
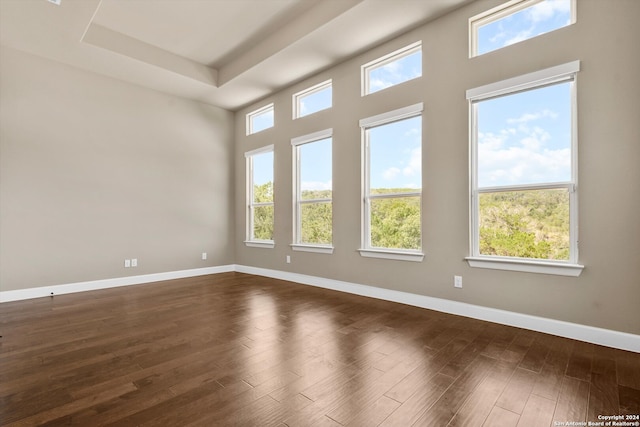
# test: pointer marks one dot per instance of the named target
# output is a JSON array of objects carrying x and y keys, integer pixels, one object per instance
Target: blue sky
[
  {"x": 263, "y": 168},
  {"x": 396, "y": 159},
  {"x": 317, "y": 101},
  {"x": 395, "y": 72},
  {"x": 530, "y": 22},
  {"x": 525, "y": 138},
  {"x": 316, "y": 165}
]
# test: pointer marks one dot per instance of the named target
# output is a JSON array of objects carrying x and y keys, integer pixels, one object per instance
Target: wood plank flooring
[{"x": 240, "y": 350}]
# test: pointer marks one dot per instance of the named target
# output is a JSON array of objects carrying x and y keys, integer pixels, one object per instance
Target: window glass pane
[
  {"x": 315, "y": 170},
  {"x": 263, "y": 222},
  {"x": 525, "y": 138},
  {"x": 530, "y": 22},
  {"x": 395, "y": 156},
  {"x": 395, "y": 223},
  {"x": 316, "y": 101},
  {"x": 262, "y": 121},
  {"x": 263, "y": 177},
  {"x": 525, "y": 224},
  {"x": 316, "y": 223},
  {"x": 395, "y": 72}
]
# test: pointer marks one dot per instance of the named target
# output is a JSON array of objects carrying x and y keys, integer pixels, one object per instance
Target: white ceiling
[{"x": 227, "y": 53}]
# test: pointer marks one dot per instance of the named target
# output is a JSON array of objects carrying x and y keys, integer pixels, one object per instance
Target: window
[
  {"x": 260, "y": 119},
  {"x": 260, "y": 197},
  {"x": 312, "y": 100},
  {"x": 392, "y": 69},
  {"x": 523, "y": 173},
  {"x": 313, "y": 192},
  {"x": 517, "y": 20},
  {"x": 392, "y": 185}
]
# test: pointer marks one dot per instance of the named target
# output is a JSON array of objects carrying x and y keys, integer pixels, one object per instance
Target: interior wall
[
  {"x": 94, "y": 171},
  {"x": 606, "y": 295}
]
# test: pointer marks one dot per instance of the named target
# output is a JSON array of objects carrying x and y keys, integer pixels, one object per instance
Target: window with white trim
[
  {"x": 397, "y": 67},
  {"x": 516, "y": 21},
  {"x": 260, "y": 197},
  {"x": 260, "y": 119},
  {"x": 524, "y": 173},
  {"x": 392, "y": 184},
  {"x": 313, "y": 99},
  {"x": 313, "y": 183}
]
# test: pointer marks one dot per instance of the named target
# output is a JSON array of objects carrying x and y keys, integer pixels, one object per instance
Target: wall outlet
[
  {"x": 457, "y": 281},
  {"x": 204, "y": 256},
  {"x": 288, "y": 259},
  {"x": 134, "y": 262},
  {"x": 127, "y": 263}
]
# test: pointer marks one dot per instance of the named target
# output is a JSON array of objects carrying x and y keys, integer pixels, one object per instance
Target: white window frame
[
  {"x": 298, "y": 97},
  {"x": 252, "y": 115},
  {"x": 296, "y": 143},
  {"x": 366, "y": 249},
  {"x": 396, "y": 55},
  {"x": 539, "y": 79},
  {"x": 251, "y": 241},
  {"x": 500, "y": 12}
]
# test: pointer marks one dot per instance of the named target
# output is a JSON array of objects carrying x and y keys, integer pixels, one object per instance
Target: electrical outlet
[
  {"x": 204, "y": 256},
  {"x": 457, "y": 281},
  {"x": 127, "y": 263},
  {"x": 288, "y": 259},
  {"x": 134, "y": 262}
]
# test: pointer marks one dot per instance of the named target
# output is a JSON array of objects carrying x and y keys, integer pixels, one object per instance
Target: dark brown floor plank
[{"x": 236, "y": 349}]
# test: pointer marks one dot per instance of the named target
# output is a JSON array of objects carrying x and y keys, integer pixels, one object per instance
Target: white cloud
[
  {"x": 528, "y": 117},
  {"x": 391, "y": 173},
  {"x": 547, "y": 9},
  {"x": 520, "y": 156},
  {"x": 316, "y": 185},
  {"x": 414, "y": 168}
]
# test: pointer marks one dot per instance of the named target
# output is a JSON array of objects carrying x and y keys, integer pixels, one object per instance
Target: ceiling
[{"x": 227, "y": 53}]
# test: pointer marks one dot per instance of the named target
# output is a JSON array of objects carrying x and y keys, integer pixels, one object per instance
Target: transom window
[
  {"x": 392, "y": 69},
  {"x": 392, "y": 190},
  {"x": 523, "y": 172},
  {"x": 313, "y": 211},
  {"x": 260, "y": 119},
  {"x": 517, "y": 20},
  {"x": 260, "y": 197},
  {"x": 313, "y": 99}
]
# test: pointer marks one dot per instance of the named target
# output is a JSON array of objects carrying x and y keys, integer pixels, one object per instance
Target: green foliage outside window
[
  {"x": 525, "y": 224},
  {"x": 263, "y": 215},
  {"x": 395, "y": 222}
]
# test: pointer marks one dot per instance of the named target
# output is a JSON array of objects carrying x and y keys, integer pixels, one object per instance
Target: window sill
[
  {"x": 527, "y": 266},
  {"x": 397, "y": 255},
  {"x": 312, "y": 248},
  {"x": 266, "y": 244}
]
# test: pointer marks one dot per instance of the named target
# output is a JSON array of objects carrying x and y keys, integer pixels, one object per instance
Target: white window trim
[
  {"x": 251, "y": 242},
  {"x": 558, "y": 74},
  {"x": 499, "y": 12},
  {"x": 299, "y": 96},
  {"x": 297, "y": 223},
  {"x": 259, "y": 111},
  {"x": 366, "y": 250},
  {"x": 384, "y": 60}
]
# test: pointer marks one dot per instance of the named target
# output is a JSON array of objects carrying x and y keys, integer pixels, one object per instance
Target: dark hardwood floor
[{"x": 240, "y": 350}]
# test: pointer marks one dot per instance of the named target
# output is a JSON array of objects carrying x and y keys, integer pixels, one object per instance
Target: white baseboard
[
  {"x": 606, "y": 337},
  {"x": 45, "y": 291}
]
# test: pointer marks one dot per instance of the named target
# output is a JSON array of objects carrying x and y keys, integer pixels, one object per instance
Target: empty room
[{"x": 320, "y": 213}]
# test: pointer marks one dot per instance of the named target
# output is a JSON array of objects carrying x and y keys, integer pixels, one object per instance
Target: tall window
[
  {"x": 523, "y": 172},
  {"x": 260, "y": 198},
  {"x": 313, "y": 192},
  {"x": 392, "y": 69},
  {"x": 313, "y": 99},
  {"x": 260, "y": 119},
  {"x": 392, "y": 184},
  {"x": 516, "y": 21}
]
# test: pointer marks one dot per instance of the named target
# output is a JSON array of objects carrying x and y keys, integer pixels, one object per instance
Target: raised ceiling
[{"x": 227, "y": 53}]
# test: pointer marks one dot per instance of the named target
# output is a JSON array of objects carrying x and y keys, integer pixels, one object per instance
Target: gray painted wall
[
  {"x": 94, "y": 170},
  {"x": 605, "y": 38}
]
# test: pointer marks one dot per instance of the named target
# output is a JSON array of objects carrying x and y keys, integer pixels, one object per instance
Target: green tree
[{"x": 263, "y": 215}]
